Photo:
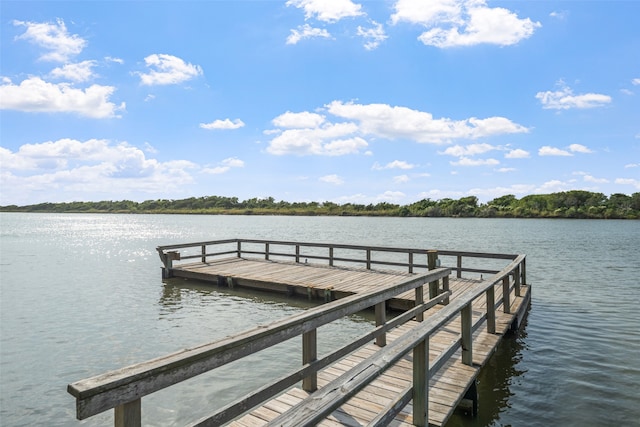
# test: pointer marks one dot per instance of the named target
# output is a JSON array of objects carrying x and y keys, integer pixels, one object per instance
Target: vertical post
[
  {"x": 524, "y": 271},
  {"x": 420, "y": 301},
  {"x": 381, "y": 319},
  {"x": 309, "y": 354},
  {"x": 421, "y": 383},
  {"x": 517, "y": 281},
  {"x": 204, "y": 254},
  {"x": 506, "y": 300},
  {"x": 467, "y": 338},
  {"x": 239, "y": 249},
  {"x": 432, "y": 261},
  {"x": 445, "y": 288},
  {"x": 368, "y": 259},
  {"x": 410, "y": 262},
  {"x": 491, "y": 311},
  {"x": 459, "y": 271},
  {"x": 266, "y": 251},
  {"x": 128, "y": 414},
  {"x": 297, "y": 253},
  {"x": 331, "y": 256}
]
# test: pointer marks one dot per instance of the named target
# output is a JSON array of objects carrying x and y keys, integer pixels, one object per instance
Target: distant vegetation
[{"x": 569, "y": 204}]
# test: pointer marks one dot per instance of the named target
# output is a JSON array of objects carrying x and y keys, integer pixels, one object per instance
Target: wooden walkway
[
  {"x": 414, "y": 369},
  {"x": 315, "y": 281}
]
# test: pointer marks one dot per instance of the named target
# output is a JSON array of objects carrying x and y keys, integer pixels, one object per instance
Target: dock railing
[
  {"x": 408, "y": 259},
  {"x": 123, "y": 389}
]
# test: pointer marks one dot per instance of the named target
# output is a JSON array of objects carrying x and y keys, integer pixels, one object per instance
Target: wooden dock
[{"x": 413, "y": 369}]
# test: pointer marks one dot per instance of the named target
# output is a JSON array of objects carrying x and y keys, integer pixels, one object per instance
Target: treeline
[{"x": 569, "y": 204}]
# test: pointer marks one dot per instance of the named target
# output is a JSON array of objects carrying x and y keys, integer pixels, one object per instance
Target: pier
[{"x": 451, "y": 309}]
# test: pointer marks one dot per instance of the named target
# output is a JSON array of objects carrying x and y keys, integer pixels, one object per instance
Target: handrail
[
  {"x": 267, "y": 253},
  {"x": 122, "y": 389},
  {"x": 320, "y": 404}
]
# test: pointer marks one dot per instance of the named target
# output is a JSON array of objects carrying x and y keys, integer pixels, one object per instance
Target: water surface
[{"x": 82, "y": 294}]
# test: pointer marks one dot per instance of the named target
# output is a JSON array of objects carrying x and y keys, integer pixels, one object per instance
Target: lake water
[{"x": 82, "y": 294}]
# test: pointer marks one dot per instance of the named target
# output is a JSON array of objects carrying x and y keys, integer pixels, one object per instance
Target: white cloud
[
  {"x": 390, "y": 196},
  {"x": 328, "y": 140},
  {"x": 225, "y": 166},
  {"x": 112, "y": 59},
  {"x": 301, "y": 120},
  {"x": 465, "y": 161},
  {"x": 505, "y": 170},
  {"x": 327, "y": 10},
  {"x": 86, "y": 170},
  {"x": 306, "y": 31},
  {"x": 54, "y": 38},
  {"x": 469, "y": 150},
  {"x": 373, "y": 36},
  {"x": 400, "y": 179},
  {"x": 453, "y": 23},
  {"x": 223, "y": 124},
  {"x": 36, "y": 95},
  {"x": 517, "y": 154},
  {"x": 167, "y": 70},
  {"x": 332, "y": 179},
  {"x": 553, "y": 186},
  {"x": 389, "y": 122},
  {"x": 589, "y": 178},
  {"x": 629, "y": 181},
  {"x": 635, "y": 82},
  {"x": 559, "y": 14},
  {"x": 396, "y": 164},
  {"x": 552, "y": 151},
  {"x": 632, "y": 165},
  {"x": 578, "y": 148},
  {"x": 78, "y": 72},
  {"x": 564, "y": 99}
]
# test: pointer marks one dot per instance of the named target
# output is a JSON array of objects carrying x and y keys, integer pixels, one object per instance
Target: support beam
[
  {"x": 421, "y": 384},
  {"x": 310, "y": 354},
  {"x": 467, "y": 338},
  {"x": 129, "y": 414},
  {"x": 381, "y": 319}
]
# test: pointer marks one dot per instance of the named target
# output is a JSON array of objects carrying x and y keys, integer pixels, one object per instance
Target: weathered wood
[
  {"x": 421, "y": 383},
  {"x": 491, "y": 310},
  {"x": 381, "y": 319},
  {"x": 506, "y": 297},
  {"x": 432, "y": 261},
  {"x": 419, "y": 298},
  {"x": 309, "y": 355},
  {"x": 128, "y": 414},
  {"x": 467, "y": 338}
]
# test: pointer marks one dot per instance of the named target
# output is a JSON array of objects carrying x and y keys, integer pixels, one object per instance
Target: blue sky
[{"x": 317, "y": 100}]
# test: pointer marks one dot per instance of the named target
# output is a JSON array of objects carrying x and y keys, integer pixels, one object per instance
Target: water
[{"x": 81, "y": 295}]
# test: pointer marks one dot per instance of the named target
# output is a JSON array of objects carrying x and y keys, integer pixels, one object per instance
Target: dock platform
[{"x": 416, "y": 368}]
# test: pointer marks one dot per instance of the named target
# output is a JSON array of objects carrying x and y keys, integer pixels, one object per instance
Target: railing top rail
[
  {"x": 108, "y": 390},
  {"x": 340, "y": 246}
]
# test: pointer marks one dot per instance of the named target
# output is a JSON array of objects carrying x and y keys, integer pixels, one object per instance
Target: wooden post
[
  {"x": 204, "y": 254},
  {"x": 368, "y": 259},
  {"x": 459, "y": 271},
  {"x": 491, "y": 311},
  {"x": 381, "y": 319},
  {"x": 309, "y": 354},
  {"x": 419, "y": 301},
  {"x": 128, "y": 414},
  {"x": 297, "y": 253},
  {"x": 467, "y": 338},
  {"x": 239, "y": 249},
  {"x": 421, "y": 384},
  {"x": 432, "y": 261},
  {"x": 517, "y": 281},
  {"x": 410, "y": 262},
  {"x": 266, "y": 251},
  {"x": 445, "y": 288},
  {"x": 524, "y": 271},
  {"x": 331, "y": 256},
  {"x": 506, "y": 299}
]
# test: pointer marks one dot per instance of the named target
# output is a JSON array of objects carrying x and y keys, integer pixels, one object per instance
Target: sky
[{"x": 317, "y": 100}]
